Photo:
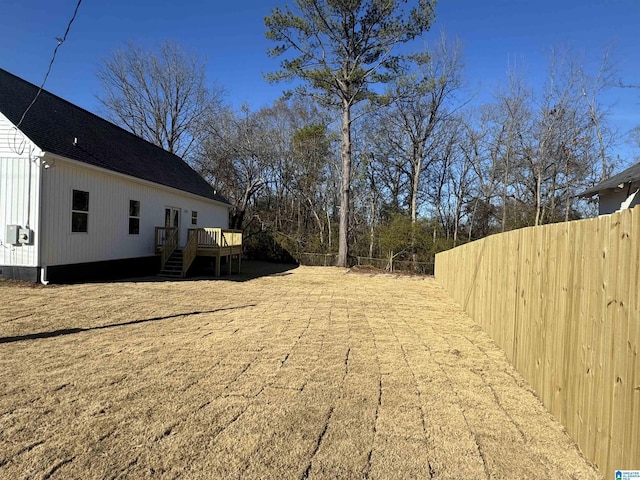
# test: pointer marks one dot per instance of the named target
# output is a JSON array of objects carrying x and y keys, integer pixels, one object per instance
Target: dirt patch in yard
[{"x": 305, "y": 373}]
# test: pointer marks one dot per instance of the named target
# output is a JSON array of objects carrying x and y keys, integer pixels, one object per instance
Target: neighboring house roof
[
  {"x": 630, "y": 176},
  {"x": 53, "y": 123}
]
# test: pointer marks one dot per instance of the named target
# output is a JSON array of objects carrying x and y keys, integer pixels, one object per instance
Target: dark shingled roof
[
  {"x": 52, "y": 124},
  {"x": 630, "y": 175}
]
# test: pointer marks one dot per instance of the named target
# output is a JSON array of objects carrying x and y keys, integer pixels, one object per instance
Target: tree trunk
[
  {"x": 299, "y": 230},
  {"x": 320, "y": 225},
  {"x": 415, "y": 186},
  {"x": 329, "y": 229},
  {"x": 473, "y": 216},
  {"x": 372, "y": 226},
  {"x": 568, "y": 191},
  {"x": 538, "y": 198},
  {"x": 603, "y": 149},
  {"x": 552, "y": 195},
  {"x": 343, "y": 246},
  {"x": 456, "y": 219},
  {"x": 505, "y": 183}
]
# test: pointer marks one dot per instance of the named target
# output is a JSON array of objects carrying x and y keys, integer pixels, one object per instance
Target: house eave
[
  {"x": 622, "y": 187},
  {"x": 105, "y": 171}
]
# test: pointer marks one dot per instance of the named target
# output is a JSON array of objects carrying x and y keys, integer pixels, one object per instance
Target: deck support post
[{"x": 206, "y": 242}]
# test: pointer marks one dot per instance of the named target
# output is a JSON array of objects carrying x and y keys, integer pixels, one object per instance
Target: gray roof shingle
[
  {"x": 630, "y": 175},
  {"x": 53, "y": 123}
]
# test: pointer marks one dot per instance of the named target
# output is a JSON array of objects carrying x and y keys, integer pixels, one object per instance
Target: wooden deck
[{"x": 201, "y": 242}]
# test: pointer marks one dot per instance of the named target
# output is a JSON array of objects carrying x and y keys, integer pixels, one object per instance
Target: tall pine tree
[{"x": 343, "y": 51}]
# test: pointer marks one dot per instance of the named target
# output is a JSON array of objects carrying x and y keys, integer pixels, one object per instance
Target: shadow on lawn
[
  {"x": 201, "y": 271},
  {"x": 250, "y": 270},
  {"x": 71, "y": 331}
]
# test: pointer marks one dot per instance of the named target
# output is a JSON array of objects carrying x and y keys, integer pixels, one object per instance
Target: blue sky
[{"x": 230, "y": 35}]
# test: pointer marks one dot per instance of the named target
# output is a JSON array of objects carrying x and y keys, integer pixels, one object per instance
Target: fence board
[
  {"x": 632, "y": 438},
  {"x": 562, "y": 302},
  {"x": 601, "y": 408},
  {"x": 577, "y": 299},
  {"x": 620, "y": 329}
]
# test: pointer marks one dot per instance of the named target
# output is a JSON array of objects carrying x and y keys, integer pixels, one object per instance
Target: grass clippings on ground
[{"x": 308, "y": 373}]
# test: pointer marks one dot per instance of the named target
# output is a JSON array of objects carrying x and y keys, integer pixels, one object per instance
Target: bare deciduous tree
[
  {"x": 161, "y": 96},
  {"x": 237, "y": 159},
  {"x": 424, "y": 108}
]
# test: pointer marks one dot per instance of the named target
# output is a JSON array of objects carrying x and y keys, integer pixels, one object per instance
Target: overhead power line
[{"x": 53, "y": 58}]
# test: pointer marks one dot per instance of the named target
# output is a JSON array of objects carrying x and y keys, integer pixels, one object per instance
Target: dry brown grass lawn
[{"x": 314, "y": 372}]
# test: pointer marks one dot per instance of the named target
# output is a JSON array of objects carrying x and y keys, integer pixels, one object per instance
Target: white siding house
[
  {"x": 78, "y": 194},
  {"x": 19, "y": 197},
  {"x": 614, "y": 200},
  {"x": 617, "y": 193}
]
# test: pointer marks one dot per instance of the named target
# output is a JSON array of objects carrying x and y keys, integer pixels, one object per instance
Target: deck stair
[
  {"x": 211, "y": 242},
  {"x": 173, "y": 266}
]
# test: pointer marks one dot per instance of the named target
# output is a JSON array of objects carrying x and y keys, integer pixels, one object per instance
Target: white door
[{"x": 172, "y": 219}]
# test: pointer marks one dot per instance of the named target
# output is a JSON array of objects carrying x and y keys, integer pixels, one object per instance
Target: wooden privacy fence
[{"x": 562, "y": 301}]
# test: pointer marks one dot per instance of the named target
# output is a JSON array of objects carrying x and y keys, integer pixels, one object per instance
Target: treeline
[
  {"x": 432, "y": 166},
  {"x": 431, "y": 170}
]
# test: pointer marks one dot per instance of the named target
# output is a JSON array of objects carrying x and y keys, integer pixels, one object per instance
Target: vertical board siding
[
  {"x": 18, "y": 206},
  {"x": 19, "y": 193},
  {"x": 13, "y": 144},
  {"x": 562, "y": 301},
  {"x": 108, "y": 236}
]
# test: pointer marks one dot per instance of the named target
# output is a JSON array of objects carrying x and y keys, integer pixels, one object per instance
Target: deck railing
[
  {"x": 216, "y": 237},
  {"x": 190, "y": 252},
  {"x": 232, "y": 238},
  {"x": 212, "y": 242},
  {"x": 161, "y": 236},
  {"x": 166, "y": 240}
]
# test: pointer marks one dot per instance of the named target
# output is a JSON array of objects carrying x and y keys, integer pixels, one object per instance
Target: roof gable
[
  {"x": 59, "y": 127},
  {"x": 629, "y": 176}
]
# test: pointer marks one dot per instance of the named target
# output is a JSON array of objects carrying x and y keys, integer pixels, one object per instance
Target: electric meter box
[
  {"x": 12, "y": 234},
  {"x": 24, "y": 236}
]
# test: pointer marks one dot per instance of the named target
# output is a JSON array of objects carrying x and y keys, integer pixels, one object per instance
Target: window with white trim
[
  {"x": 194, "y": 217},
  {"x": 80, "y": 212},
  {"x": 134, "y": 217}
]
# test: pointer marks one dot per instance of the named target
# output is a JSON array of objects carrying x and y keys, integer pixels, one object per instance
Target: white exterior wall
[
  {"x": 611, "y": 201},
  {"x": 108, "y": 237},
  {"x": 19, "y": 194}
]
